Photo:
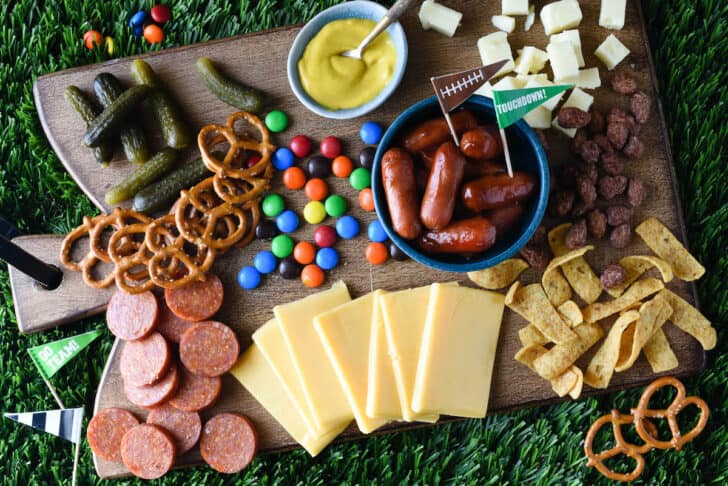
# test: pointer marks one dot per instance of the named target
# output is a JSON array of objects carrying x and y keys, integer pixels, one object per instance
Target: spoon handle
[{"x": 390, "y": 17}]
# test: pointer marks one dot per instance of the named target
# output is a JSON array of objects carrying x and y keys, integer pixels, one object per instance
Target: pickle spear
[
  {"x": 229, "y": 91},
  {"x": 87, "y": 112},
  {"x": 152, "y": 170},
  {"x": 162, "y": 193},
  {"x": 113, "y": 117}
]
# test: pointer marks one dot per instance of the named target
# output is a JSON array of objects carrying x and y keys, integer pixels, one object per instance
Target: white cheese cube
[
  {"x": 504, "y": 23},
  {"x": 561, "y": 15},
  {"x": 514, "y": 7},
  {"x": 539, "y": 117},
  {"x": 485, "y": 90},
  {"x": 579, "y": 99},
  {"x": 530, "y": 60},
  {"x": 569, "y": 132},
  {"x": 611, "y": 52},
  {"x": 611, "y": 14},
  {"x": 588, "y": 78},
  {"x": 527, "y": 78},
  {"x": 493, "y": 48},
  {"x": 573, "y": 37},
  {"x": 563, "y": 61},
  {"x": 508, "y": 82},
  {"x": 439, "y": 18},
  {"x": 530, "y": 18},
  {"x": 538, "y": 83}
]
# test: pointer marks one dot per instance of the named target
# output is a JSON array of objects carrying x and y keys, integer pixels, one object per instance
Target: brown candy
[
  {"x": 611, "y": 164},
  {"x": 596, "y": 223},
  {"x": 636, "y": 192},
  {"x": 589, "y": 151},
  {"x": 571, "y": 117},
  {"x": 613, "y": 275},
  {"x": 617, "y": 133},
  {"x": 563, "y": 201},
  {"x": 641, "y": 107},
  {"x": 620, "y": 236},
  {"x": 576, "y": 236},
  {"x": 598, "y": 124},
  {"x": 617, "y": 215},
  {"x": 634, "y": 148},
  {"x": 610, "y": 187},
  {"x": 586, "y": 189},
  {"x": 537, "y": 256},
  {"x": 623, "y": 83}
]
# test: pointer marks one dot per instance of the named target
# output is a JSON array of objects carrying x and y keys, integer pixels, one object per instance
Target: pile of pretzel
[
  {"x": 174, "y": 250},
  {"x": 641, "y": 417}
]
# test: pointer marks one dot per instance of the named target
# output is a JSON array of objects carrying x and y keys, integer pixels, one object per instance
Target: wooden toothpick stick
[
  {"x": 452, "y": 129},
  {"x": 53, "y": 392},
  {"x": 506, "y": 152}
]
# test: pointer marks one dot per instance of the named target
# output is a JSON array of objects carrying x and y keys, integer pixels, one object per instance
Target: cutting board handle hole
[{"x": 54, "y": 285}]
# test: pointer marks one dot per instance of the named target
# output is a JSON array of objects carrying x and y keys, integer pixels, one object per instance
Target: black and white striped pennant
[{"x": 65, "y": 423}]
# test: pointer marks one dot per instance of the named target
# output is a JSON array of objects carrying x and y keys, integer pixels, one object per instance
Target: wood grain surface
[{"x": 259, "y": 60}]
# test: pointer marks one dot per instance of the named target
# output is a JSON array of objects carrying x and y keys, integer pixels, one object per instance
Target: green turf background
[{"x": 537, "y": 446}]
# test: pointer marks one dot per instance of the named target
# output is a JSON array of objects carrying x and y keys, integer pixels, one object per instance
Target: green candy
[
  {"x": 360, "y": 179},
  {"x": 335, "y": 205},
  {"x": 282, "y": 246},
  {"x": 273, "y": 205},
  {"x": 276, "y": 121}
]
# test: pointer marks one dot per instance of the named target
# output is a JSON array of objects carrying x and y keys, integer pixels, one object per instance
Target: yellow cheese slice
[
  {"x": 254, "y": 372},
  {"x": 345, "y": 333},
  {"x": 271, "y": 343},
  {"x": 382, "y": 397},
  {"x": 404, "y": 320},
  {"x": 458, "y": 350},
  {"x": 321, "y": 388}
]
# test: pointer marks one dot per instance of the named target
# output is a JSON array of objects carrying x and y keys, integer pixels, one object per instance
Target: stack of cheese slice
[{"x": 410, "y": 355}]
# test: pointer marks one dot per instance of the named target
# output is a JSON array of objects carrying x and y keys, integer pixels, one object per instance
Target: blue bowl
[
  {"x": 360, "y": 9},
  {"x": 527, "y": 154}
]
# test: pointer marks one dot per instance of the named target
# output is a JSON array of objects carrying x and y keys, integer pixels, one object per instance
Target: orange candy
[
  {"x": 376, "y": 253},
  {"x": 312, "y": 276},
  {"x": 153, "y": 34},
  {"x": 316, "y": 189},
  {"x": 342, "y": 166},
  {"x": 294, "y": 178},
  {"x": 93, "y": 38},
  {"x": 304, "y": 252},
  {"x": 366, "y": 200}
]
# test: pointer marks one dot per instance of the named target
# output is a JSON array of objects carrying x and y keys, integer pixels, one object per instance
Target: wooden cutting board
[{"x": 259, "y": 59}]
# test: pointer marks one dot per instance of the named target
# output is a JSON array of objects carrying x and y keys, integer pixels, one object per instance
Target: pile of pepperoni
[{"x": 173, "y": 384}]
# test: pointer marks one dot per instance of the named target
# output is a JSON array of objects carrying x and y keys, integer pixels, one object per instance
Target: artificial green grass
[{"x": 537, "y": 446}]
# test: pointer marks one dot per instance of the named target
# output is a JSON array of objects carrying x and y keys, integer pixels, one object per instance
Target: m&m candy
[
  {"x": 265, "y": 262},
  {"x": 273, "y": 205},
  {"x": 266, "y": 230},
  {"x": 312, "y": 276},
  {"x": 283, "y": 158},
  {"x": 161, "y": 13},
  {"x": 248, "y": 278},
  {"x": 319, "y": 166},
  {"x": 347, "y": 227},
  {"x": 396, "y": 252},
  {"x": 304, "y": 252},
  {"x": 252, "y": 160},
  {"x": 110, "y": 45},
  {"x": 330, "y": 147},
  {"x": 287, "y": 221},
  {"x": 153, "y": 34},
  {"x": 294, "y": 178},
  {"x": 324, "y": 236},
  {"x": 289, "y": 268},
  {"x": 376, "y": 232},
  {"x": 314, "y": 212},
  {"x": 335, "y": 206},
  {"x": 327, "y": 258},
  {"x": 137, "y": 20},
  {"x": 316, "y": 189},
  {"x": 366, "y": 157},
  {"x": 376, "y": 253},
  {"x": 92, "y": 39},
  {"x": 341, "y": 166},
  {"x": 300, "y": 145},
  {"x": 282, "y": 246},
  {"x": 371, "y": 132},
  {"x": 276, "y": 121},
  {"x": 360, "y": 178},
  {"x": 366, "y": 199}
]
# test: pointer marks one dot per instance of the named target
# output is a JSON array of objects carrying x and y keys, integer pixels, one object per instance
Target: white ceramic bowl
[{"x": 361, "y": 9}]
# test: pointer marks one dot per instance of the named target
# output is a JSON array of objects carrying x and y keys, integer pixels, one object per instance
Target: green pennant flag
[
  {"x": 513, "y": 104},
  {"x": 51, "y": 357}
]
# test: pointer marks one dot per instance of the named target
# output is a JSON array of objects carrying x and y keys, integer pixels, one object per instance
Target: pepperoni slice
[
  {"x": 198, "y": 301},
  {"x": 145, "y": 361},
  {"x": 196, "y": 392},
  {"x": 156, "y": 394},
  {"x": 228, "y": 443},
  {"x": 106, "y": 429},
  {"x": 169, "y": 325},
  {"x": 183, "y": 427},
  {"x": 147, "y": 451},
  {"x": 131, "y": 316},
  {"x": 209, "y": 348}
]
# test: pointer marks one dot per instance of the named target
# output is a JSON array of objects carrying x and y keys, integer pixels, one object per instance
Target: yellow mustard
[{"x": 337, "y": 82}]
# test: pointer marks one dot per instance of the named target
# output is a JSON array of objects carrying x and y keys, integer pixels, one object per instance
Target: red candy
[
  {"x": 300, "y": 146},
  {"x": 92, "y": 39},
  {"x": 324, "y": 236},
  {"x": 161, "y": 13},
  {"x": 330, "y": 147},
  {"x": 252, "y": 160}
]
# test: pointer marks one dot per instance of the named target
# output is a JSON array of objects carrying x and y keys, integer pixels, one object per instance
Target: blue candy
[
  {"x": 376, "y": 232},
  {"x": 137, "y": 20},
  {"x": 283, "y": 158},
  {"x": 371, "y": 132},
  {"x": 347, "y": 227},
  {"x": 138, "y": 31},
  {"x": 248, "y": 278},
  {"x": 265, "y": 261},
  {"x": 287, "y": 221},
  {"x": 327, "y": 258}
]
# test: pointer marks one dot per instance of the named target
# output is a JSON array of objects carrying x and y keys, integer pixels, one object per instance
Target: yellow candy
[
  {"x": 110, "y": 46},
  {"x": 314, "y": 212}
]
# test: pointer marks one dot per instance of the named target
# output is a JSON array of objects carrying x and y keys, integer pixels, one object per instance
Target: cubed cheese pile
[{"x": 410, "y": 355}]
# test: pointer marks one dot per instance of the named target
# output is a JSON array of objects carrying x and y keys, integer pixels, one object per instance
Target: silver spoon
[{"x": 391, "y": 16}]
